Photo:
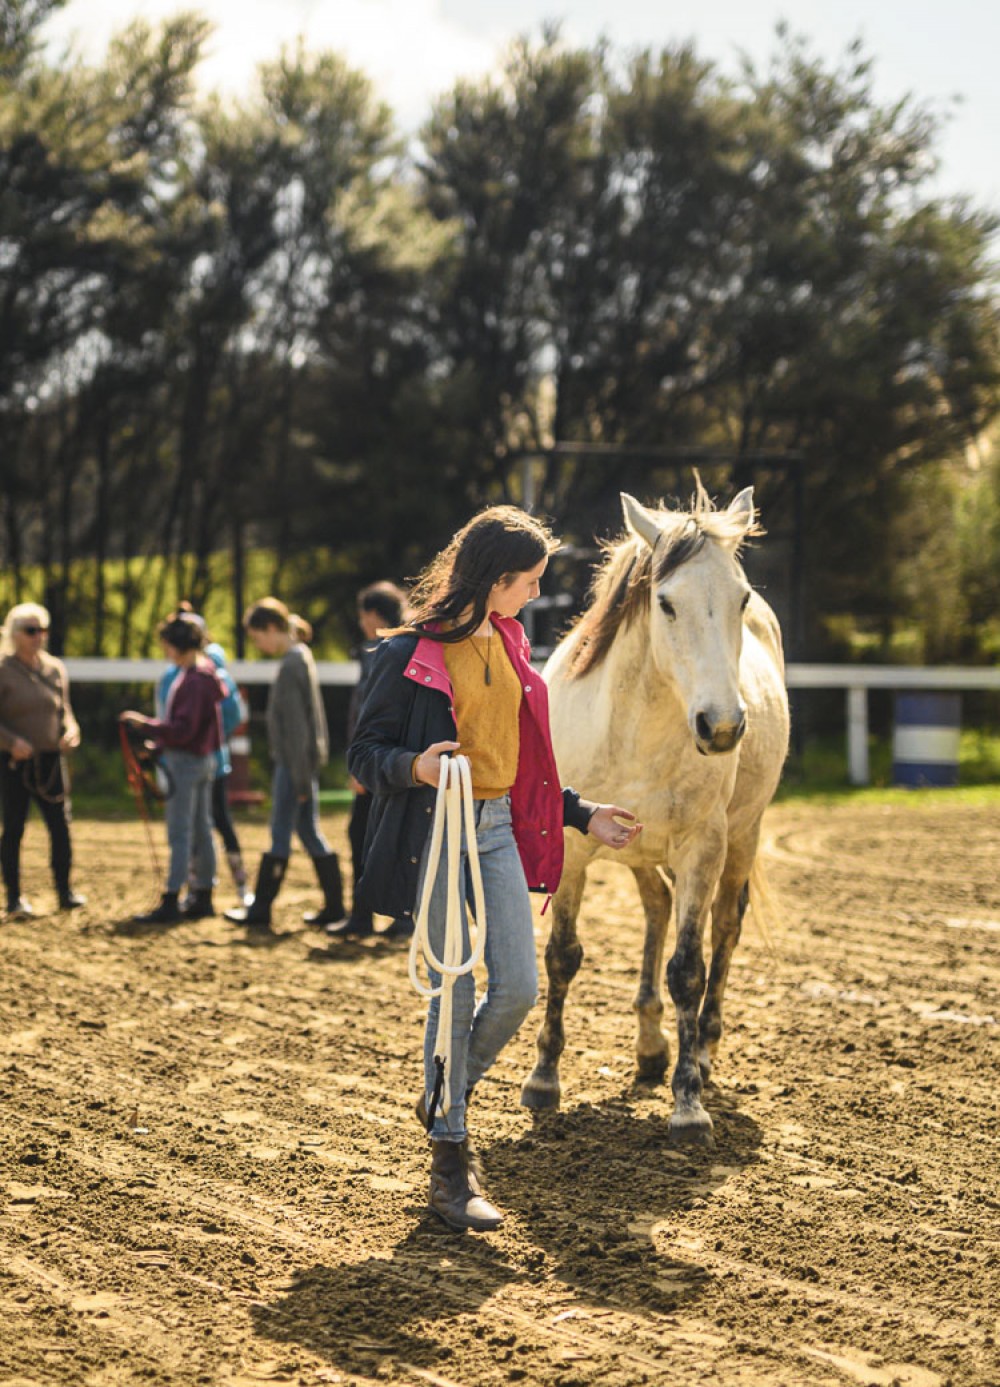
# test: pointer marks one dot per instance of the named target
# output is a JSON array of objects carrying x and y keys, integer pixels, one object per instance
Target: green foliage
[
  {"x": 260, "y": 345},
  {"x": 130, "y": 605},
  {"x": 821, "y": 769}
]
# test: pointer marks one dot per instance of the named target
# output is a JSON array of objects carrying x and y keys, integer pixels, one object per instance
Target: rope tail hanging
[
  {"x": 143, "y": 788},
  {"x": 453, "y": 807}
]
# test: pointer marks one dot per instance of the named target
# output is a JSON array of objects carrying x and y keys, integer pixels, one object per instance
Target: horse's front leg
[
  {"x": 727, "y": 922},
  {"x": 563, "y": 956},
  {"x": 652, "y": 1051},
  {"x": 698, "y": 867}
]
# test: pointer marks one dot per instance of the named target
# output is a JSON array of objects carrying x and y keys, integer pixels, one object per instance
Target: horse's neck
[{"x": 630, "y": 666}]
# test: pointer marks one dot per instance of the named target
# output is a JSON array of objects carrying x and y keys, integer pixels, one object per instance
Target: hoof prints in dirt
[{"x": 212, "y": 1174}]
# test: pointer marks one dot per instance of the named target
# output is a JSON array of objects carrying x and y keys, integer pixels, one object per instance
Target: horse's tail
[{"x": 764, "y": 906}]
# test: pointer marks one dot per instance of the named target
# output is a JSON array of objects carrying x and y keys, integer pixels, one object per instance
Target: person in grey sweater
[{"x": 299, "y": 745}]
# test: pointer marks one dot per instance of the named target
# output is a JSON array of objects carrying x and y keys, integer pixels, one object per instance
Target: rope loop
[{"x": 453, "y": 808}]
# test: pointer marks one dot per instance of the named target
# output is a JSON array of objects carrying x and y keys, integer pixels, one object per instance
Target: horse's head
[{"x": 698, "y": 593}]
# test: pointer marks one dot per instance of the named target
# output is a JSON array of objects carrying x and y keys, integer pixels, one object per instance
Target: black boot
[
  {"x": 455, "y": 1195},
  {"x": 198, "y": 905},
  {"x": 358, "y": 925},
  {"x": 270, "y": 875},
  {"x": 19, "y": 909},
  {"x": 400, "y": 928},
  {"x": 168, "y": 912},
  {"x": 70, "y": 900},
  {"x": 328, "y": 872}
]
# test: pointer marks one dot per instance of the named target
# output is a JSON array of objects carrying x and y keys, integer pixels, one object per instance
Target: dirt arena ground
[{"x": 211, "y": 1172}]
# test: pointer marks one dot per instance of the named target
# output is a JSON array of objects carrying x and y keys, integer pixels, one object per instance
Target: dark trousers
[
  {"x": 41, "y": 780},
  {"x": 221, "y": 817},
  {"x": 356, "y": 830}
]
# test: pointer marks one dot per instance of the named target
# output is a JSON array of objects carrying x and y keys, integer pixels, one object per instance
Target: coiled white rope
[{"x": 453, "y": 806}]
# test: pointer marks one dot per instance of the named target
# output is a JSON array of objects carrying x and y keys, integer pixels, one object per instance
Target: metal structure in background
[{"x": 743, "y": 467}]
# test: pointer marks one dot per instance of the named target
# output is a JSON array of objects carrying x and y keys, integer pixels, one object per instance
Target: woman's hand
[
  {"x": 70, "y": 741},
  {"x": 606, "y": 829},
  {"x": 427, "y": 767},
  {"x": 21, "y": 750},
  {"x": 133, "y": 718},
  {"x": 356, "y": 785}
]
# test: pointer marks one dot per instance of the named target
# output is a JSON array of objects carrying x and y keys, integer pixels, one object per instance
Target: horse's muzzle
[{"x": 717, "y": 737}]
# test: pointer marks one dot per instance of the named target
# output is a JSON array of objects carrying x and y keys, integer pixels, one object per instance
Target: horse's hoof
[
  {"x": 692, "y": 1131},
  {"x": 539, "y": 1094},
  {"x": 651, "y": 1069}
]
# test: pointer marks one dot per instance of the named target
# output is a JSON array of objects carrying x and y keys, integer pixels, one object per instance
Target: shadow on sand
[{"x": 593, "y": 1197}]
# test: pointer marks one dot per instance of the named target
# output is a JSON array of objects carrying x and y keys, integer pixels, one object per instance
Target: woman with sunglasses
[{"x": 37, "y": 727}]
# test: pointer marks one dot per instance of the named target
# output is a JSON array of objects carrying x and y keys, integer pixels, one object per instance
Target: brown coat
[{"x": 34, "y": 703}]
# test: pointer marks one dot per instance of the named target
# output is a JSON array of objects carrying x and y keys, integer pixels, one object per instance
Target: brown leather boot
[
  {"x": 471, "y": 1153},
  {"x": 455, "y": 1195}
]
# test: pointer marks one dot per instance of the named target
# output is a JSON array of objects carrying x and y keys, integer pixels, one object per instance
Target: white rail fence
[{"x": 855, "y": 680}]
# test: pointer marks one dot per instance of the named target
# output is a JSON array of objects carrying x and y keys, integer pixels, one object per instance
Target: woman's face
[
  {"x": 267, "y": 640},
  {"x": 171, "y": 652},
  {"x": 511, "y": 593},
  {"x": 29, "y": 637}
]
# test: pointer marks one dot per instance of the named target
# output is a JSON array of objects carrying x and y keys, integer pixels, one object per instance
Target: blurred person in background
[
  {"x": 381, "y": 607},
  {"x": 234, "y": 713},
  {"x": 299, "y": 745},
  {"x": 189, "y": 732},
  {"x": 37, "y": 728}
]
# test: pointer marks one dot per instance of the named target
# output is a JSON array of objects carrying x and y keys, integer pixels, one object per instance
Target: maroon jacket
[{"x": 193, "y": 721}]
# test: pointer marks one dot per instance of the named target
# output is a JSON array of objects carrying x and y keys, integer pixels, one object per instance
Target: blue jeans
[
  {"x": 480, "y": 1032},
  {"x": 189, "y": 819},
  {"x": 289, "y": 813}
]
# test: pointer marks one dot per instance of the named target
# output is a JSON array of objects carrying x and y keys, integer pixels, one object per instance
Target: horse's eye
[{"x": 666, "y": 607}]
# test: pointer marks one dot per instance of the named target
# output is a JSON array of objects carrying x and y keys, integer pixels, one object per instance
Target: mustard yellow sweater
[{"x": 486, "y": 714}]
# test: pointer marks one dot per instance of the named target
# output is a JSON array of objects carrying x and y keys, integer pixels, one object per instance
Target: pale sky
[{"x": 414, "y": 49}]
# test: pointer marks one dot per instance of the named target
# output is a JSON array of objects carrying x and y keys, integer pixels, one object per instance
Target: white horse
[{"x": 668, "y": 695}]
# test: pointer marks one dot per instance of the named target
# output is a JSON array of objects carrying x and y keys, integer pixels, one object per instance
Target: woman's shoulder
[
  {"x": 215, "y": 652},
  {"x": 51, "y": 664},
  {"x": 395, "y": 650}
]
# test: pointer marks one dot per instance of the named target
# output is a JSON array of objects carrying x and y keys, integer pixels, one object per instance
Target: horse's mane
[{"x": 622, "y": 582}]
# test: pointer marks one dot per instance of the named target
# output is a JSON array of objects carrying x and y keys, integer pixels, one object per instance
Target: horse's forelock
[
  {"x": 622, "y": 582},
  {"x": 616, "y": 595}
]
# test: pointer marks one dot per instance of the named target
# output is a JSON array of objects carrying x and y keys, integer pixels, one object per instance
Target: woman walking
[
  {"x": 190, "y": 733},
  {"x": 297, "y": 737},
  {"x": 37, "y": 728},
  {"x": 458, "y": 676}
]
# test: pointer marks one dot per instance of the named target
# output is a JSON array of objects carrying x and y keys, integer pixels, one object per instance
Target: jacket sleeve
[
  {"x": 180, "y": 728},
  {"x": 378, "y": 755},
  {"x": 577, "y": 811},
  {"x": 70, "y": 726},
  {"x": 297, "y": 731},
  {"x": 7, "y": 736}
]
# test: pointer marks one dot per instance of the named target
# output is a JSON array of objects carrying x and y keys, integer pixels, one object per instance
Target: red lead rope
[{"x": 142, "y": 788}]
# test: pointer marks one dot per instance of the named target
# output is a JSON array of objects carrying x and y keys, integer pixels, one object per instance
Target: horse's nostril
[{"x": 703, "y": 727}]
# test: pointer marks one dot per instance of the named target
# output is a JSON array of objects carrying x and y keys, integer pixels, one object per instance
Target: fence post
[{"x": 857, "y": 736}]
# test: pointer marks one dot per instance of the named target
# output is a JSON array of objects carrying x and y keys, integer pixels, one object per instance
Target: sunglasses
[{"x": 33, "y": 630}]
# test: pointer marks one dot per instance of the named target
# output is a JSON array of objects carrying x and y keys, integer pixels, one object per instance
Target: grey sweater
[{"x": 296, "y": 721}]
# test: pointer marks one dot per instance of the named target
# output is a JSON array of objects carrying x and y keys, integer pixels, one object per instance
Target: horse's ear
[
  {"x": 640, "y": 521},
  {"x": 742, "y": 506}
]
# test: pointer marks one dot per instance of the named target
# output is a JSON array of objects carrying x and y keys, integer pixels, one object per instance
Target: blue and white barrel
[{"x": 926, "y": 738}]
